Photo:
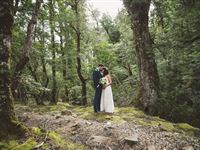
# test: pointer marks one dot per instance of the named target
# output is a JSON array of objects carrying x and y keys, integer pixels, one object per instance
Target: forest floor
[{"x": 66, "y": 127}]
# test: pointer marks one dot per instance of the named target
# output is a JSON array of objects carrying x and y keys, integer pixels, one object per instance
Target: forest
[{"x": 49, "y": 50}]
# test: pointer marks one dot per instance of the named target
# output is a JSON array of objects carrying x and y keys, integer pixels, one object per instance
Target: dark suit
[{"x": 98, "y": 89}]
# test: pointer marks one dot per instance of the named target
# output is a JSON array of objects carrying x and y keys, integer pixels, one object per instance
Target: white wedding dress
[{"x": 107, "y": 103}]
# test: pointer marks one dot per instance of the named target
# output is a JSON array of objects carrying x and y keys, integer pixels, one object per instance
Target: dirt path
[{"x": 107, "y": 134}]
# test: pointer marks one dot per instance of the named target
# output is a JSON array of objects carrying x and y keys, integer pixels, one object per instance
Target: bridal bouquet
[{"x": 102, "y": 81}]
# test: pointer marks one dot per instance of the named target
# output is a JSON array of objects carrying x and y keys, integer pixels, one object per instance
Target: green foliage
[
  {"x": 178, "y": 56},
  {"x": 104, "y": 54},
  {"x": 111, "y": 29}
]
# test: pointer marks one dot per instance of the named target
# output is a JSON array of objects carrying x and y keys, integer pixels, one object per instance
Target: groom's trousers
[{"x": 97, "y": 99}]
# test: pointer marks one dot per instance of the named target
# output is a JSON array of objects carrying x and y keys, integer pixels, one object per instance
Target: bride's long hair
[{"x": 105, "y": 71}]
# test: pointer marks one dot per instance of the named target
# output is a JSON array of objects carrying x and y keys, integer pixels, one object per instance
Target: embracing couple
[{"x": 103, "y": 99}]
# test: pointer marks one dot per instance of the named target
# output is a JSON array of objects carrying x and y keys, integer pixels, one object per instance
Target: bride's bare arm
[{"x": 109, "y": 80}]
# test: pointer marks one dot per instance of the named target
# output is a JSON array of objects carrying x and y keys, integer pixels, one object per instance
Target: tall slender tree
[
  {"x": 53, "y": 51},
  {"x": 9, "y": 124},
  {"x": 77, "y": 28},
  {"x": 149, "y": 78}
]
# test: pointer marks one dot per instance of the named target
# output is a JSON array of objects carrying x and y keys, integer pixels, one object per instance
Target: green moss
[
  {"x": 29, "y": 144},
  {"x": 165, "y": 125},
  {"x": 72, "y": 146},
  {"x": 59, "y": 141},
  {"x": 87, "y": 113},
  {"x": 118, "y": 119},
  {"x": 154, "y": 121},
  {"x": 187, "y": 129},
  {"x": 8, "y": 144},
  {"x": 46, "y": 108},
  {"x": 13, "y": 143},
  {"x": 37, "y": 131},
  {"x": 141, "y": 122},
  {"x": 185, "y": 126},
  {"x": 81, "y": 110},
  {"x": 51, "y": 108},
  {"x": 129, "y": 110}
]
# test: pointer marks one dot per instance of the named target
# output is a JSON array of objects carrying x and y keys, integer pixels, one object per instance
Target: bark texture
[
  {"x": 149, "y": 78},
  {"x": 8, "y": 122},
  {"x": 64, "y": 64},
  {"x": 53, "y": 51}
]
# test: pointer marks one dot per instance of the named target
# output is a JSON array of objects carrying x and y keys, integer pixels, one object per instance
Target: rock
[
  {"x": 108, "y": 123},
  {"x": 66, "y": 112},
  {"x": 57, "y": 117},
  {"x": 188, "y": 148},
  {"x": 73, "y": 132},
  {"x": 108, "y": 126},
  {"x": 75, "y": 126},
  {"x": 131, "y": 140},
  {"x": 98, "y": 139},
  {"x": 151, "y": 147},
  {"x": 88, "y": 123},
  {"x": 74, "y": 115},
  {"x": 162, "y": 127}
]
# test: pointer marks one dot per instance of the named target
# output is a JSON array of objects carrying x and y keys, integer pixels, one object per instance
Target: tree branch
[
  {"x": 27, "y": 46},
  {"x": 193, "y": 39}
]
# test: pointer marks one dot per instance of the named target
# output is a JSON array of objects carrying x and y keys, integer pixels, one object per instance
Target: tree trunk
[
  {"x": 66, "y": 97},
  {"x": 64, "y": 64},
  {"x": 83, "y": 81},
  {"x": 45, "y": 77},
  {"x": 26, "y": 48},
  {"x": 9, "y": 124},
  {"x": 149, "y": 78},
  {"x": 78, "y": 47},
  {"x": 53, "y": 48}
]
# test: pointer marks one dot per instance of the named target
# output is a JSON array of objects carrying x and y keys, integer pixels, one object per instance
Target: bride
[{"x": 107, "y": 103}]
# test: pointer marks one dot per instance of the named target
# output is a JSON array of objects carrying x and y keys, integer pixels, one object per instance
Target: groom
[{"x": 97, "y": 75}]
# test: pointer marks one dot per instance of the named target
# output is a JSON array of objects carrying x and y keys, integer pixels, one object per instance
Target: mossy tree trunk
[
  {"x": 8, "y": 122},
  {"x": 149, "y": 78}
]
